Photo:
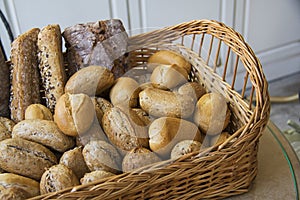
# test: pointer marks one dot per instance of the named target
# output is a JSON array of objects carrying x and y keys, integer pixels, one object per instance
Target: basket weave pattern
[{"x": 219, "y": 171}]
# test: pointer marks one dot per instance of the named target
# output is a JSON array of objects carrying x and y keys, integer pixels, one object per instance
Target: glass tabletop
[{"x": 278, "y": 169}]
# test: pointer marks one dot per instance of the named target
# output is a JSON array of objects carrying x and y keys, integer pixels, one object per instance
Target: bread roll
[
  {"x": 94, "y": 176},
  {"x": 185, "y": 147},
  {"x": 44, "y": 132},
  {"x": 168, "y": 57},
  {"x": 124, "y": 129},
  {"x": 91, "y": 80},
  {"x": 138, "y": 157},
  {"x": 161, "y": 103},
  {"x": 168, "y": 76},
  {"x": 192, "y": 89},
  {"x": 125, "y": 92},
  {"x": 6, "y": 126},
  {"x": 51, "y": 63},
  {"x": 25, "y": 74},
  {"x": 24, "y": 157},
  {"x": 101, "y": 106},
  {"x": 14, "y": 193},
  {"x": 100, "y": 155},
  {"x": 74, "y": 160},
  {"x": 38, "y": 111},
  {"x": 74, "y": 113},
  {"x": 212, "y": 114},
  {"x": 17, "y": 183},
  {"x": 56, "y": 178},
  {"x": 166, "y": 132}
]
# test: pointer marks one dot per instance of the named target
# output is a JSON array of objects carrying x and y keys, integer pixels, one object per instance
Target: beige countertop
[{"x": 278, "y": 169}]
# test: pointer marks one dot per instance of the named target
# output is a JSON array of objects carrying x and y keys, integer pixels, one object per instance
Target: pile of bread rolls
[{"x": 95, "y": 124}]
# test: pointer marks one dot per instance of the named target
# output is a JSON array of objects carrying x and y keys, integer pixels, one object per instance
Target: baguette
[
  {"x": 51, "y": 63},
  {"x": 25, "y": 75}
]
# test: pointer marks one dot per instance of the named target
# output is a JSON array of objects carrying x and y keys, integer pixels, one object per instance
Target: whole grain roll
[
  {"x": 100, "y": 155},
  {"x": 56, "y": 178},
  {"x": 185, "y": 147},
  {"x": 6, "y": 126},
  {"x": 125, "y": 129},
  {"x": 138, "y": 157},
  {"x": 17, "y": 186},
  {"x": 44, "y": 132},
  {"x": 101, "y": 106},
  {"x": 74, "y": 160},
  {"x": 26, "y": 158}
]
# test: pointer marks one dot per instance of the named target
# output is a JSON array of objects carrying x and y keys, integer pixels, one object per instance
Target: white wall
[{"x": 271, "y": 27}]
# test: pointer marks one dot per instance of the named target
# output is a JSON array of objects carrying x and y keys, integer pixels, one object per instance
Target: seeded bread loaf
[
  {"x": 51, "y": 63},
  {"x": 25, "y": 74}
]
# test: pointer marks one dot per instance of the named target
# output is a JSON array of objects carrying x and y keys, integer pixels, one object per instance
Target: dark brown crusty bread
[
  {"x": 51, "y": 63},
  {"x": 25, "y": 74},
  {"x": 4, "y": 86},
  {"x": 96, "y": 43}
]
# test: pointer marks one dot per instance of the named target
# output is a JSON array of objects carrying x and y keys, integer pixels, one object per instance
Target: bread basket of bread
[{"x": 160, "y": 115}]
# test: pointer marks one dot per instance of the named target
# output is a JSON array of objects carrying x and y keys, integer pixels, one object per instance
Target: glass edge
[{"x": 286, "y": 157}]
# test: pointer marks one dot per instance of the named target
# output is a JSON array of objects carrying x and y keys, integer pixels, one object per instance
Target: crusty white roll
[{"x": 168, "y": 57}]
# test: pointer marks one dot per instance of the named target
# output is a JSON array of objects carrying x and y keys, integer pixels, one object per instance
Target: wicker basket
[{"x": 219, "y": 56}]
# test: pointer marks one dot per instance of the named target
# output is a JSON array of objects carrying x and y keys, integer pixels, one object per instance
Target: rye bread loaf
[{"x": 96, "y": 43}]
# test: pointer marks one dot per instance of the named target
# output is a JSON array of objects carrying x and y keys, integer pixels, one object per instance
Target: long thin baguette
[
  {"x": 51, "y": 63},
  {"x": 25, "y": 75}
]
